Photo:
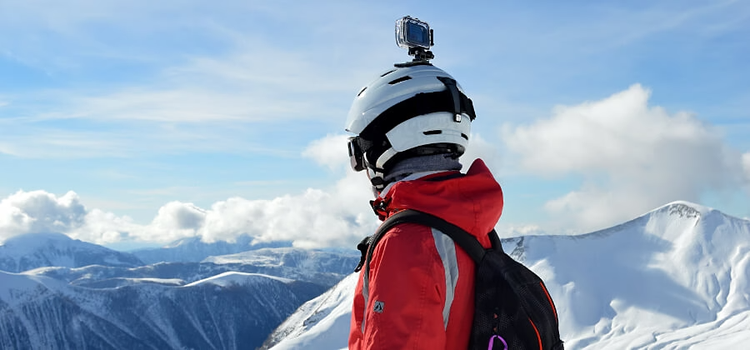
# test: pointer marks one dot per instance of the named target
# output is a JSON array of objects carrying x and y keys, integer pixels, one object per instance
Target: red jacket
[{"x": 421, "y": 287}]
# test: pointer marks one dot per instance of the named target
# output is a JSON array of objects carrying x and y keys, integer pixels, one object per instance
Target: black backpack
[{"x": 512, "y": 307}]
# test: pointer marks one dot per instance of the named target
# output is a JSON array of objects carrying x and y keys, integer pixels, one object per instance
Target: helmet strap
[{"x": 452, "y": 87}]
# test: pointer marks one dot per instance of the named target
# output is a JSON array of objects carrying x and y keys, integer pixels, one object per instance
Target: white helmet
[{"x": 411, "y": 110}]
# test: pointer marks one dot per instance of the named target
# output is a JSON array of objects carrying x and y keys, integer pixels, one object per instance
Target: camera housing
[{"x": 416, "y": 36}]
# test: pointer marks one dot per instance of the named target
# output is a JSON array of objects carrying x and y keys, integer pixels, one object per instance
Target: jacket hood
[{"x": 473, "y": 202}]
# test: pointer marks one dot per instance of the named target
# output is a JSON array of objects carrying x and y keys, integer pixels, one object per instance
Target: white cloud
[
  {"x": 478, "y": 147},
  {"x": 177, "y": 220},
  {"x": 329, "y": 151},
  {"x": 40, "y": 212},
  {"x": 105, "y": 227},
  {"x": 335, "y": 216},
  {"x": 315, "y": 218},
  {"x": 633, "y": 157},
  {"x": 338, "y": 216}
]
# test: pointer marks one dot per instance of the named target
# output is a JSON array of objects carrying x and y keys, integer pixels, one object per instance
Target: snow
[
  {"x": 13, "y": 284},
  {"x": 676, "y": 277},
  {"x": 246, "y": 258},
  {"x": 238, "y": 278},
  {"x": 164, "y": 281},
  {"x": 324, "y": 320},
  {"x": 18, "y": 288},
  {"x": 301, "y": 258}
]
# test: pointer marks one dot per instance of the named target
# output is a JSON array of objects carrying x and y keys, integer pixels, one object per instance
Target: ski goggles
[{"x": 356, "y": 155}]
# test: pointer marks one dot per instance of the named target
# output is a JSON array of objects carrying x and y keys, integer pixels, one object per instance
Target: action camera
[{"x": 416, "y": 36}]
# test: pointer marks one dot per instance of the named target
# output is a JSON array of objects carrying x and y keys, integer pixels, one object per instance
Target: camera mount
[{"x": 417, "y": 37}]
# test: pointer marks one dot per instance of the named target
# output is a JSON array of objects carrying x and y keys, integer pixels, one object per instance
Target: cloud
[
  {"x": 632, "y": 157},
  {"x": 178, "y": 216},
  {"x": 478, "y": 147},
  {"x": 40, "y": 212},
  {"x": 338, "y": 216},
  {"x": 329, "y": 151},
  {"x": 313, "y": 219},
  {"x": 43, "y": 212}
]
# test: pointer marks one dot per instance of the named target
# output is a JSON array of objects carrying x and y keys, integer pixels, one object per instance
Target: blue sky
[{"x": 170, "y": 119}]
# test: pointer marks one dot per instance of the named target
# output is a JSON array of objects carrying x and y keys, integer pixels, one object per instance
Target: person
[{"x": 411, "y": 125}]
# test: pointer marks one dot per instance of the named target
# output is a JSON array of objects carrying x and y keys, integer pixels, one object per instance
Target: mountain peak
[
  {"x": 33, "y": 250},
  {"x": 31, "y": 239},
  {"x": 685, "y": 209}
]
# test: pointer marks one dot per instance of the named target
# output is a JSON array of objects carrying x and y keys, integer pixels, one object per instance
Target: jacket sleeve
[{"x": 406, "y": 294}]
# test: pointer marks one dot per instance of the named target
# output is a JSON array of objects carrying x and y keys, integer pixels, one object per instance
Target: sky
[{"x": 137, "y": 123}]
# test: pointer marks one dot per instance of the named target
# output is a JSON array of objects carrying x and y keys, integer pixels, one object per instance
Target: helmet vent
[
  {"x": 361, "y": 91},
  {"x": 464, "y": 136},
  {"x": 388, "y": 72},
  {"x": 396, "y": 81},
  {"x": 434, "y": 132}
]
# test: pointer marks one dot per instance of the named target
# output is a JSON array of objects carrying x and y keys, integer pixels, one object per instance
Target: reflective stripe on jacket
[{"x": 420, "y": 291}]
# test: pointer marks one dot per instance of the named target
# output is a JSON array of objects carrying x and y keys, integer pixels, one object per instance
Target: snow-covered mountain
[
  {"x": 229, "y": 311},
  {"x": 676, "y": 277},
  {"x": 314, "y": 265},
  {"x": 321, "y": 323},
  {"x": 35, "y": 250},
  {"x": 192, "y": 249},
  {"x": 225, "y": 302},
  {"x": 321, "y": 267}
]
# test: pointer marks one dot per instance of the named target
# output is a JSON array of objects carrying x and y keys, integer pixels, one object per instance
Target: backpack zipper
[
  {"x": 538, "y": 337},
  {"x": 554, "y": 309}
]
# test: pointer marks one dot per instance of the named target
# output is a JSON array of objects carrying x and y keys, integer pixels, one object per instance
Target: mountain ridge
[
  {"x": 673, "y": 277},
  {"x": 193, "y": 249}
]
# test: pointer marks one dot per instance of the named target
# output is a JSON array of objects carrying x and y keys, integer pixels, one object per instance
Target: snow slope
[
  {"x": 35, "y": 250},
  {"x": 675, "y": 278},
  {"x": 319, "y": 323},
  {"x": 230, "y": 311}
]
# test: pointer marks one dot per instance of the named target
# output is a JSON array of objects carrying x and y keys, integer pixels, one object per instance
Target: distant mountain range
[
  {"x": 76, "y": 295},
  {"x": 194, "y": 250},
  {"x": 316, "y": 266},
  {"x": 676, "y": 277},
  {"x": 229, "y": 311}
]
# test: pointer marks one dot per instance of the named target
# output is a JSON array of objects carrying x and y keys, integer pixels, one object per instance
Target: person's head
[{"x": 412, "y": 110}]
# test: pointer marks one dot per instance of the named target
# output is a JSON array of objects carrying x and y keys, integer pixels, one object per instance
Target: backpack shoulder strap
[{"x": 466, "y": 241}]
